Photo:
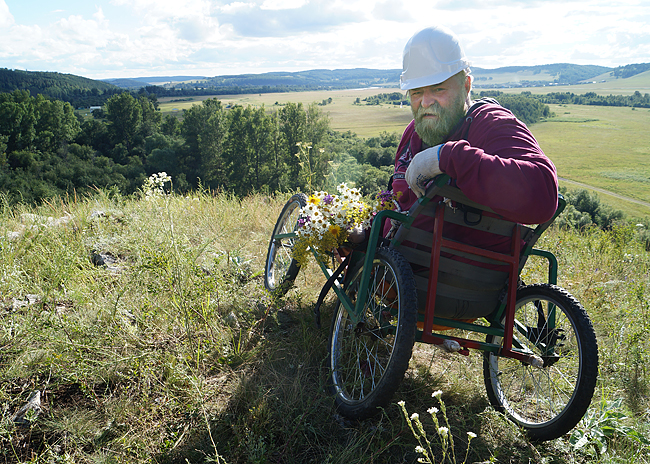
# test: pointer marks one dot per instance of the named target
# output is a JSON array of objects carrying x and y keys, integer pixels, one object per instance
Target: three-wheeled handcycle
[{"x": 540, "y": 355}]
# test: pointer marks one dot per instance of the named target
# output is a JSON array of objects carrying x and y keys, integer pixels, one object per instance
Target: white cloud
[
  {"x": 282, "y": 4},
  {"x": 236, "y": 7},
  {"x": 6, "y": 18},
  {"x": 210, "y": 37},
  {"x": 391, "y": 10}
]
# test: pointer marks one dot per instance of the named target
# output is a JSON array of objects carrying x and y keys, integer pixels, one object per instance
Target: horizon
[
  {"x": 115, "y": 38},
  {"x": 286, "y": 71}
]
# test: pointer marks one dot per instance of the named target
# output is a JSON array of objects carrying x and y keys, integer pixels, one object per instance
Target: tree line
[
  {"x": 47, "y": 150},
  {"x": 635, "y": 100}
]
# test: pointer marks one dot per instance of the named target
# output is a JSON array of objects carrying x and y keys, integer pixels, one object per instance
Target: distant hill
[
  {"x": 79, "y": 91},
  {"x": 318, "y": 79},
  {"x": 312, "y": 79},
  {"x": 532, "y": 76},
  {"x": 139, "y": 82},
  {"x": 84, "y": 92},
  {"x": 324, "y": 78}
]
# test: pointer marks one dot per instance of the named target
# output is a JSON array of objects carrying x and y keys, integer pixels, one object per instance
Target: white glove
[{"x": 424, "y": 167}]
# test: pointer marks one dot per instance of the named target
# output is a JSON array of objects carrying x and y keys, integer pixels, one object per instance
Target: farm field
[
  {"x": 364, "y": 120},
  {"x": 640, "y": 82},
  {"x": 604, "y": 147}
]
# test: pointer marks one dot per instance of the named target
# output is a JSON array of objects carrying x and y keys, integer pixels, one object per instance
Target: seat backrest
[{"x": 468, "y": 285}]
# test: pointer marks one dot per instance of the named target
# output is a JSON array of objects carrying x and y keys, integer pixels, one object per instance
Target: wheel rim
[
  {"x": 536, "y": 397},
  {"x": 362, "y": 352},
  {"x": 279, "y": 256}
]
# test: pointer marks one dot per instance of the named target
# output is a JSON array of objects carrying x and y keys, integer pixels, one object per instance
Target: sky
[{"x": 105, "y": 39}]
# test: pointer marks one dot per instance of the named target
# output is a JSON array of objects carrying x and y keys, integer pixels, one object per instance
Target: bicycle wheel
[
  {"x": 281, "y": 269},
  {"x": 548, "y": 401},
  {"x": 367, "y": 360}
]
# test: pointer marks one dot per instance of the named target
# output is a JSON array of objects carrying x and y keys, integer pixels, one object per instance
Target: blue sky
[{"x": 131, "y": 38}]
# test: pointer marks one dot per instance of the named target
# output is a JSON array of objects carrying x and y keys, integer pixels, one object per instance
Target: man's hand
[{"x": 424, "y": 167}]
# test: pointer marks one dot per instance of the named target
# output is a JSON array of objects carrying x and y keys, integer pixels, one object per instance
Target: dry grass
[{"x": 175, "y": 353}]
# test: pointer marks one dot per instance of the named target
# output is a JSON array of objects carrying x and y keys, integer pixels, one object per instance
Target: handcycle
[{"x": 540, "y": 354}]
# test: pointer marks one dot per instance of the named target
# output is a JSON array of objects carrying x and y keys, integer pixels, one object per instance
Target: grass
[
  {"x": 602, "y": 147},
  {"x": 173, "y": 352}
]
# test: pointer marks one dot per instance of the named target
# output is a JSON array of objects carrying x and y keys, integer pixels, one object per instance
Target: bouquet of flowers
[{"x": 327, "y": 220}]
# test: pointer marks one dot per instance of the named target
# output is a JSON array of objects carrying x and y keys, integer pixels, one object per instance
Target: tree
[
  {"x": 293, "y": 120},
  {"x": 151, "y": 116},
  {"x": 56, "y": 123},
  {"x": 17, "y": 120},
  {"x": 170, "y": 125},
  {"x": 373, "y": 180},
  {"x": 204, "y": 129},
  {"x": 261, "y": 132},
  {"x": 124, "y": 114},
  {"x": 237, "y": 152}
]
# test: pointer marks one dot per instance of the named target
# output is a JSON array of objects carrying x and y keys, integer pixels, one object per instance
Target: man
[{"x": 490, "y": 155}]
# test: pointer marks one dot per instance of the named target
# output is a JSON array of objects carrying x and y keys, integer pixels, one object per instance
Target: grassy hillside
[
  {"x": 640, "y": 82},
  {"x": 145, "y": 325},
  {"x": 559, "y": 73}
]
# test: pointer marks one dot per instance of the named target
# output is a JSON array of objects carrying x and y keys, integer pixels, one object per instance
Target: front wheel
[
  {"x": 548, "y": 401},
  {"x": 368, "y": 359},
  {"x": 281, "y": 269}
]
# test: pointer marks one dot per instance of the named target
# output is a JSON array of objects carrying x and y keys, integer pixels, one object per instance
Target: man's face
[{"x": 437, "y": 109}]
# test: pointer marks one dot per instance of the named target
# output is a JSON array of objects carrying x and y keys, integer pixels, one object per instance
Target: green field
[
  {"x": 640, "y": 82},
  {"x": 364, "y": 120},
  {"x": 604, "y": 147}
]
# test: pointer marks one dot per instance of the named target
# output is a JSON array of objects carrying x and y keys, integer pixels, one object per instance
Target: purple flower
[
  {"x": 327, "y": 199},
  {"x": 303, "y": 220},
  {"x": 385, "y": 195}
]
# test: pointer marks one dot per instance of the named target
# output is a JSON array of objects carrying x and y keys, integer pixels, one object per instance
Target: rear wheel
[
  {"x": 368, "y": 359},
  {"x": 281, "y": 269},
  {"x": 548, "y": 401}
]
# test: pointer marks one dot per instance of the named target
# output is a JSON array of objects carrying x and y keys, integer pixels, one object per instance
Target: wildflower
[
  {"x": 443, "y": 431},
  {"x": 401, "y": 403},
  {"x": 436, "y": 393},
  {"x": 415, "y": 416},
  {"x": 328, "y": 219},
  {"x": 335, "y": 230},
  {"x": 471, "y": 435},
  {"x": 419, "y": 449},
  {"x": 432, "y": 410}
]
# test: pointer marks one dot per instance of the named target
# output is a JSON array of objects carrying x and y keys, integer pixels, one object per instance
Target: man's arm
[{"x": 509, "y": 173}]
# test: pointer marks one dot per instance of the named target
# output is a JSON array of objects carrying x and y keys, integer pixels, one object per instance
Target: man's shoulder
[{"x": 489, "y": 109}]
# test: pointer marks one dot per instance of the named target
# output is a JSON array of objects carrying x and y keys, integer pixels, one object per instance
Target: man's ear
[{"x": 468, "y": 83}]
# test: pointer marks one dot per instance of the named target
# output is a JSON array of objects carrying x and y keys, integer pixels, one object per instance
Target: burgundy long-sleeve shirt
[{"x": 495, "y": 160}]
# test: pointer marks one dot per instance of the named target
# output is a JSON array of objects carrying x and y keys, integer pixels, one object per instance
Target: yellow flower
[
  {"x": 335, "y": 230},
  {"x": 313, "y": 200}
]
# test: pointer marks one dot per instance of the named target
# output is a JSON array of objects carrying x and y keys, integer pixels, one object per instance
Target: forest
[{"x": 46, "y": 150}]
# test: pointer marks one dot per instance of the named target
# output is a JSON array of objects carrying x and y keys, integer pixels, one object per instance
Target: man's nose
[{"x": 428, "y": 99}]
